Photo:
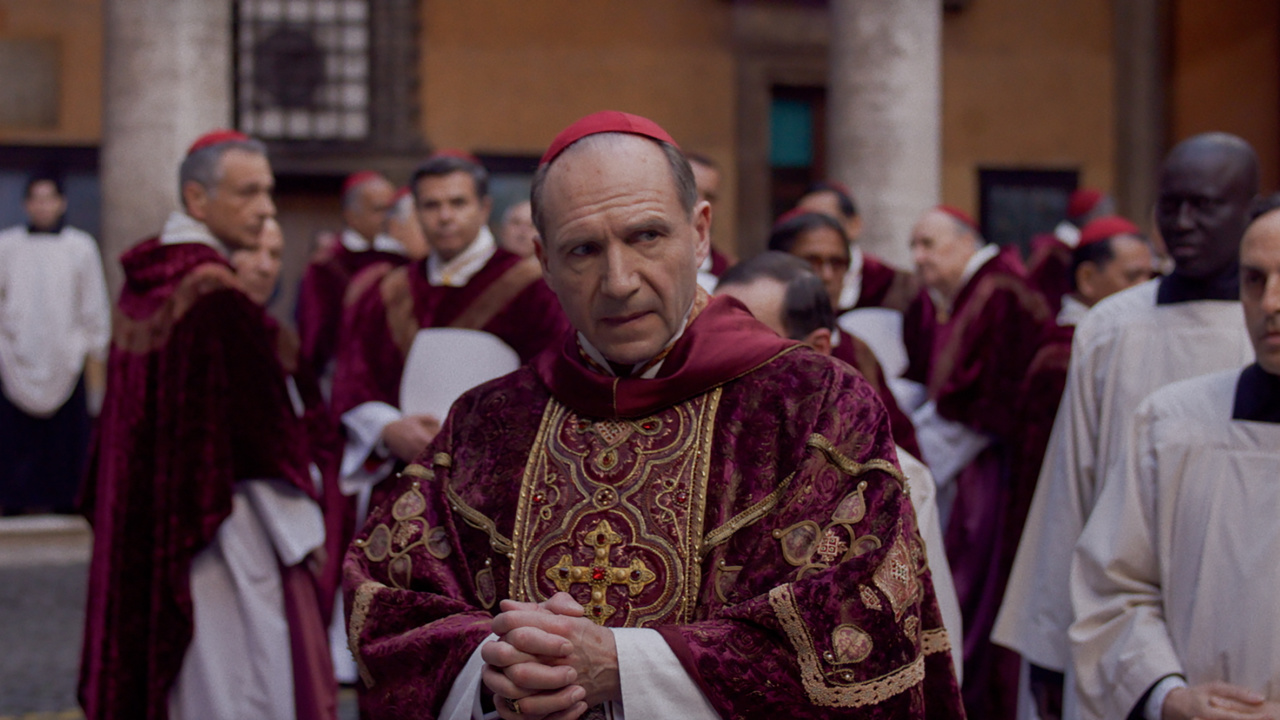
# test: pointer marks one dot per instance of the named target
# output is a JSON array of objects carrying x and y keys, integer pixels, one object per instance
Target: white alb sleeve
[{"x": 291, "y": 518}]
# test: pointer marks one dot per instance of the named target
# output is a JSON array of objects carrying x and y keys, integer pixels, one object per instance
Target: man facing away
[
  {"x": 1179, "y": 326},
  {"x": 201, "y": 502},
  {"x": 673, "y": 512},
  {"x": 970, "y": 337},
  {"x": 1174, "y": 580},
  {"x": 55, "y": 324},
  {"x": 783, "y": 293},
  {"x": 367, "y": 201}
]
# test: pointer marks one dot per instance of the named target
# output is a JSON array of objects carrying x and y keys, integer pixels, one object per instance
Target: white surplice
[
  {"x": 239, "y": 663},
  {"x": 1126, "y": 347},
  {"x": 1176, "y": 570},
  {"x": 54, "y": 313}
]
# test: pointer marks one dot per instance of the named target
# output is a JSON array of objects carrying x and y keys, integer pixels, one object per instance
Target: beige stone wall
[
  {"x": 1027, "y": 85},
  {"x": 75, "y": 27},
  {"x": 1226, "y": 75},
  {"x": 505, "y": 77}
]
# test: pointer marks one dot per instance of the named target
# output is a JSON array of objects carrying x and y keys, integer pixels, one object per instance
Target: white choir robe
[
  {"x": 1176, "y": 571},
  {"x": 239, "y": 663},
  {"x": 1126, "y": 347}
]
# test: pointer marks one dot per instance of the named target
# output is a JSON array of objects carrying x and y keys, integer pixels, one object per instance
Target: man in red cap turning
[
  {"x": 970, "y": 336},
  {"x": 672, "y": 512},
  {"x": 205, "y": 516},
  {"x": 367, "y": 200}
]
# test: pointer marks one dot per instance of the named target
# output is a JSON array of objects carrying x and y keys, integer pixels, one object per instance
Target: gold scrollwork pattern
[
  {"x": 837, "y": 688},
  {"x": 393, "y": 544},
  {"x": 851, "y": 467}
]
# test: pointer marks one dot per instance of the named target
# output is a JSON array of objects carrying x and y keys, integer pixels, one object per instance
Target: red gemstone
[
  {"x": 597, "y": 610},
  {"x": 600, "y": 538},
  {"x": 682, "y": 496},
  {"x": 649, "y": 425},
  {"x": 538, "y": 497},
  {"x": 597, "y": 573}
]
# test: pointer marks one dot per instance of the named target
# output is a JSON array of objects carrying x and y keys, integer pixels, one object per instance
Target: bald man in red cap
[
  {"x": 367, "y": 200},
  {"x": 205, "y": 515},
  {"x": 673, "y": 512},
  {"x": 970, "y": 335}
]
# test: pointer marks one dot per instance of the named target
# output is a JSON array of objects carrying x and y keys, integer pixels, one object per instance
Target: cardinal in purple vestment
[
  {"x": 970, "y": 336},
  {"x": 672, "y": 492}
]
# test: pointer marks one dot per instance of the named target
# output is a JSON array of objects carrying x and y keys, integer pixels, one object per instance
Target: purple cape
[
  {"x": 320, "y": 299},
  {"x": 745, "y": 503},
  {"x": 196, "y": 400}
]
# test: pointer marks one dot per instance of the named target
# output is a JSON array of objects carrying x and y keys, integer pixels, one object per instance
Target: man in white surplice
[
  {"x": 55, "y": 323},
  {"x": 1132, "y": 343},
  {"x": 1174, "y": 582}
]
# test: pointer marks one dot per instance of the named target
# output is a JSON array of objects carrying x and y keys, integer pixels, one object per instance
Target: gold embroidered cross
[{"x": 599, "y": 575}]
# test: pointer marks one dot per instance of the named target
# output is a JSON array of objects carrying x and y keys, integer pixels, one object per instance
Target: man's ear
[
  {"x": 1087, "y": 280},
  {"x": 195, "y": 199},
  {"x": 854, "y": 228},
  {"x": 819, "y": 340},
  {"x": 702, "y": 226}
]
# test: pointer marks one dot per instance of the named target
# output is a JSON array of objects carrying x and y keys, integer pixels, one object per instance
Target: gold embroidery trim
[
  {"x": 935, "y": 641},
  {"x": 478, "y": 520},
  {"x": 746, "y": 517},
  {"x": 849, "y": 466},
  {"x": 417, "y": 471},
  {"x": 359, "y": 614},
  {"x": 551, "y": 411},
  {"x": 868, "y": 692},
  {"x": 694, "y": 543},
  {"x": 443, "y": 460}
]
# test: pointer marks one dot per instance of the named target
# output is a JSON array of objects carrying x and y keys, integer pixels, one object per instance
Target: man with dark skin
[{"x": 1129, "y": 345}]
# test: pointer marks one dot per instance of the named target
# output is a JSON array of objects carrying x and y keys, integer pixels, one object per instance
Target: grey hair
[
  {"x": 681, "y": 175},
  {"x": 204, "y": 166}
]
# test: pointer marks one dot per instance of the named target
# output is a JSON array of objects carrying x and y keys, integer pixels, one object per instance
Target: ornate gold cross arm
[{"x": 599, "y": 575}]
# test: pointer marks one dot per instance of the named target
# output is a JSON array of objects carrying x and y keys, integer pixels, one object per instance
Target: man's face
[
  {"x": 827, "y": 203},
  {"x": 1131, "y": 263},
  {"x": 368, "y": 215},
  {"x": 940, "y": 250},
  {"x": 1202, "y": 211},
  {"x": 707, "y": 179},
  {"x": 258, "y": 268},
  {"x": 237, "y": 206},
  {"x": 450, "y": 212},
  {"x": 44, "y": 205},
  {"x": 620, "y": 252},
  {"x": 764, "y": 297},
  {"x": 518, "y": 233},
  {"x": 1260, "y": 288},
  {"x": 827, "y": 253}
]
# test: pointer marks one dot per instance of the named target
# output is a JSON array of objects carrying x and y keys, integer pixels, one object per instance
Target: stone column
[
  {"x": 884, "y": 114},
  {"x": 166, "y": 80}
]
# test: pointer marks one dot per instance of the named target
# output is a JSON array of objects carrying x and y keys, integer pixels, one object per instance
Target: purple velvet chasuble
[
  {"x": 196, "y": 400},
  {"x": 745, "y": 503}
]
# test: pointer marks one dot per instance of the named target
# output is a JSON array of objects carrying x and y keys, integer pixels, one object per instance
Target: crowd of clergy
[{"x": 587, "y": 465}]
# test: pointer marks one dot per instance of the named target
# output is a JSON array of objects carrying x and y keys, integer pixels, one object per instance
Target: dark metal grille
[{"x": 303, "y": 69}]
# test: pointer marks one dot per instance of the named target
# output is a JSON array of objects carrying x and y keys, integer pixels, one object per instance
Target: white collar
[
  {"x": 1072, "y": 312},
  {"x": 1069, "y": 234},
  {"x": 706, "y": 264},
  {"x": 851, "y": 290},
  {"x": 984, "y": 255},
  {"x": 182, "y": 228},
  {"x": 649, "y": 374},
  {"x": 459, "y": 271},
  {"x": 356, "y": 243}
]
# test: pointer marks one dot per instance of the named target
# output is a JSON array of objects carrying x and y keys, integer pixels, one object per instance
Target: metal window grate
[{"x": 303, "y": 69}]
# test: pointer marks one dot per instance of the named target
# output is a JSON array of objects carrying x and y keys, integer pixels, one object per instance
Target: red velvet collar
[{"x": 721, "y": 344}]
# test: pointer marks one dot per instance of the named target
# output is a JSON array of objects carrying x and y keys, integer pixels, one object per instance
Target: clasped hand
[{"x": 550, "y": 659}]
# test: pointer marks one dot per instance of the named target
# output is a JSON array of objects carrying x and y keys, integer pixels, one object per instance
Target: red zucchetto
[
  {"x": 605, "y": 121},
  {"x": 1105, "y": 228},
  {"x": 960, "y": 216},
  {"x": 216, "y": 137}
]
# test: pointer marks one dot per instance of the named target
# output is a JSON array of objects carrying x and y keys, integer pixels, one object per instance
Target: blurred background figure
[
  {"x": 55, "y": 324},
  {"x": 403, "y": 226},
  {"x": 517, "y": 234},
  {"x": 259, "y": 268},
  {"x": 1049, "y": 263},
  {"x": 706, "y": 177}
]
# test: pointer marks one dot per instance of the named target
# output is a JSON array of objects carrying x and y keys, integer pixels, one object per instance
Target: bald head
[{"x": 1207, "y": 183}]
